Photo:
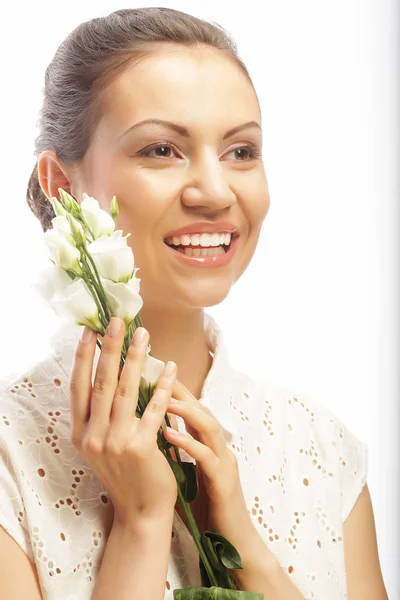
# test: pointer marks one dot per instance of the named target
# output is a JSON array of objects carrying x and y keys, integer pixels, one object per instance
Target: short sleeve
[
  {"x": 353, "y": 465},
  {"x": 12, "y": 510}
]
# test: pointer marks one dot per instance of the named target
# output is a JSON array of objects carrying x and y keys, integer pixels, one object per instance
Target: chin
[{"x": 208, "y": 296}]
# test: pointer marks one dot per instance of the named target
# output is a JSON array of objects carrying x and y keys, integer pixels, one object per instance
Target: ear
[{"x": 51, "y": 175}]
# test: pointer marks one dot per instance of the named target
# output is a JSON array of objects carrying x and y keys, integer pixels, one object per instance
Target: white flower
[
  {"x": 124, "y": 298},
  {"x": 50, "y": 281},
  {"x": 75, "y": 303},
  {"x": 63, "y": 228},
  {"x": 99, "y": 221},
  {"x": 62, "y": 247},
  {"x": 152, "y": 369},
  {"x": 113, "y": 257}
]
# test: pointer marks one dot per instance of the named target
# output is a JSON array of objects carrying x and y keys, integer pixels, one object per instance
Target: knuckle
[
  {"x": 93, "y": 445},
  {"x": 232, "y": 457},
  {"x": 113, "y": 447},
  {"x": 76, "y": 440},
  {"x": 134, "y": 352},
  {"x": 156, "y": 404},
  {"x": 122, "y": 391},
  {"x": 140, "y": 449},
  {"x": 100, "y": 385},
  {"x": 210, "y": 455},
  {"x": 214, "y": 426},
  {"x": 73, "y": 387}
]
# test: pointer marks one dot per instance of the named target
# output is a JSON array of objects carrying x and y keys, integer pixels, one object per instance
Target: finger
[
  {"x": 106, "y": 377},
  {"x": 180, "y": 392},
  {"x": 127, "y": 392},
  {"x": 207, "y": 428},
  {"x": 80, "y": 382},
  {"x": 202, "y": 454},
  {"x": 154, "y": 414}
]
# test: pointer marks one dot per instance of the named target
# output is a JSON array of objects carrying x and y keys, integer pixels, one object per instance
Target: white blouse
[{"x": 301, "y": 471}]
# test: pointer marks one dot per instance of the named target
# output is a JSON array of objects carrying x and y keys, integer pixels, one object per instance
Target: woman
[{"x": 154, "y": 106}]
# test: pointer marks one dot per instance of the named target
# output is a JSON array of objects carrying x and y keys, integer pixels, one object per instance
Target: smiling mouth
[
  {"x": 190, "y": 250},
  {"x": 199, "y": 250}
]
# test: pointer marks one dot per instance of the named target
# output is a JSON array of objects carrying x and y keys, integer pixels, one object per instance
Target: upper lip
[{"x": 204, "y": 227}]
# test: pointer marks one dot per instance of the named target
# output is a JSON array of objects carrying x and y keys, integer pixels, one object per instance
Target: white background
[{"x": 320, "y": 297}]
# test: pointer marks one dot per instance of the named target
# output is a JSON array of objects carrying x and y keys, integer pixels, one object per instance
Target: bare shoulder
[
  {"x": 18, "y": 575},
  {"x": 363, "y": 571}
]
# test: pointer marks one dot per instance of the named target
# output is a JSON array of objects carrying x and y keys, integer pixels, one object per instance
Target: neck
[{"x": 180, "y": 337}]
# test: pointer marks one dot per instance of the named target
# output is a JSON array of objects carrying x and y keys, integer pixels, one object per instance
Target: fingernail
[
  {"x": 170, "y": 368},
  {"x": 87, "y": 335},
  {"x": 140, "y": 336},
  {"x": 172, "y": 431},
  {"x": 114, "y": 327}
]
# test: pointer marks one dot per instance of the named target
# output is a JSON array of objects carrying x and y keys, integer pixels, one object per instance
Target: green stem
[
  {"x": 142, "y": 402},
  {"x": 101, "y": 292},
  {"x": 102, "y": 315},
  {"x": 197, "y": 538},
  {"x": 84, "y": 222}
]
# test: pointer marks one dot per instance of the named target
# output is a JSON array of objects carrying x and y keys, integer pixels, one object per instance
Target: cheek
[{"x": 255, "y": 211}]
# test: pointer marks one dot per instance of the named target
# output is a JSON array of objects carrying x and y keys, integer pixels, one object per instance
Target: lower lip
[{"x": 207, "y": 261}]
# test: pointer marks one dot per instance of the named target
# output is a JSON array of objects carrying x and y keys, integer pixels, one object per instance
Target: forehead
[{"x": 196, "y": 86}]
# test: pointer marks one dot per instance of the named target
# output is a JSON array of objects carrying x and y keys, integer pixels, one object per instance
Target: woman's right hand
[{"x": 120, "y": 448}]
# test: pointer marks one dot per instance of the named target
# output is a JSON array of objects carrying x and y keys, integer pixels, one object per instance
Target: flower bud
[
  {"x": 70, "y": 204},
  {"x": 65, "y": 200},
  {"x": 58, "y": 208},
  {"x": 114, "y": 210},
  {"x": 77, "y": 231}
]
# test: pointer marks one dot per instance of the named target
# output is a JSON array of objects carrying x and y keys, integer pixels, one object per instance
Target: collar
[{"x": 218, "y": 387}]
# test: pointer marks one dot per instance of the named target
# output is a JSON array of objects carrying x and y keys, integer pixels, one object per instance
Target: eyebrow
[{"x": 184, "y": 132}]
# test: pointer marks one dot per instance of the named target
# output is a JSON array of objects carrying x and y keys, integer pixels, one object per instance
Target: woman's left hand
[{"x": 227, "y": 510}]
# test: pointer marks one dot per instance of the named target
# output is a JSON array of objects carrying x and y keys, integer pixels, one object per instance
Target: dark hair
[{"x": 87, "y": 61}]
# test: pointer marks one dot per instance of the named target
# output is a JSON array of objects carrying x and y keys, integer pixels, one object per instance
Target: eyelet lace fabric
[{"x": 301, "y": 471}]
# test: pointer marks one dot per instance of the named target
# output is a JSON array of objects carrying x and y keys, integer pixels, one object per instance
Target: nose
[{"x": 209, "y": 187}]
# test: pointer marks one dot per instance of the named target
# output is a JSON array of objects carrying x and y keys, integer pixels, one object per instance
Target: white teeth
[
  {"x": 205, "y": 240},
  {"x": 185, "y": 240},
  {"x": 198, "y": 252}
]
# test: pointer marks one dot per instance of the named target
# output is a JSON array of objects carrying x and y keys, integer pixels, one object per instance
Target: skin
[{"x": 200, "y": 178}]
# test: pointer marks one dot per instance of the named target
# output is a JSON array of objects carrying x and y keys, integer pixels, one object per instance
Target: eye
[
  {"x": 251, "y": 149},
  {"x": 163, "y": 147}
]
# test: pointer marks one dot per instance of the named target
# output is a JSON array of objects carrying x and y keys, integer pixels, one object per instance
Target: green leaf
[
  {"x": 214, "y": 593},
  {"x": 226, "y": 552},
  {"x": 222, "y": 556},
  {"x": 186, "y": 477},
  {"x": 192, "y": 485}
]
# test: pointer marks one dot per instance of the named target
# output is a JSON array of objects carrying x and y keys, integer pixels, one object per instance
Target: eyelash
[{"x": 252, "y": 148}]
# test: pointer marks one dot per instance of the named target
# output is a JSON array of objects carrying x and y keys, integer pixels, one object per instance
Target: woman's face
[{"x": 165, "y": 180}]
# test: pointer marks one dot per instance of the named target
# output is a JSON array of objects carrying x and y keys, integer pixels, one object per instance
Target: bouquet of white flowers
[{"x": 93, "y": 278}]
